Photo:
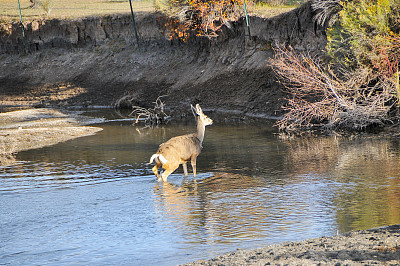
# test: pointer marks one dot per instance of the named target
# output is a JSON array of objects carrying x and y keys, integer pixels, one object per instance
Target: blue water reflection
[{"x": 94, "y": 200}]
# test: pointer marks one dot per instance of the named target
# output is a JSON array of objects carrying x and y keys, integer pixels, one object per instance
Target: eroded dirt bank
[
  {"x": 367, "y": 247},
  {"x": 95, "y": 61}
]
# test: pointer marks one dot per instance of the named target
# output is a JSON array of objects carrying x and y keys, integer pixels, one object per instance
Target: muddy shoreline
[
  {"x": 36, "y": 128},
  {"x": 380, "y": 246}
]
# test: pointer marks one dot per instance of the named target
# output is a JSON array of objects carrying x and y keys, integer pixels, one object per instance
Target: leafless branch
[
  {"x": 150, "y": 116},
  {"x": 320, "y": 99}
]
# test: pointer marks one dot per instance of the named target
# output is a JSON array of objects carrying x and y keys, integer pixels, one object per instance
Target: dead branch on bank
[
  {"x": 149, "y": 116},
  {"x": 319, "y": 98}
]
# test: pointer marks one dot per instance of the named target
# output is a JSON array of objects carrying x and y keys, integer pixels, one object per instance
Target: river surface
[{"x": 95, "y": 201}]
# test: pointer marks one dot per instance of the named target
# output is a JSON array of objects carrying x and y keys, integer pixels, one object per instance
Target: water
[{"x": 94, "y": 200}]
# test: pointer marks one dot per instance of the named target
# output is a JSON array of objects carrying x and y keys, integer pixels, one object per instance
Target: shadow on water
[{"x": 94, "y": 200}]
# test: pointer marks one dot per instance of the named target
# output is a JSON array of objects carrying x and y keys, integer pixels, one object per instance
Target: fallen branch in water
[{"x": 150, "y": 116}]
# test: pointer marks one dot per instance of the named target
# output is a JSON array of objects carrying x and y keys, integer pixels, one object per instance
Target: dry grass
[
  {"x": 68, "y": 9},
  {"x": 268, "y": 11}
]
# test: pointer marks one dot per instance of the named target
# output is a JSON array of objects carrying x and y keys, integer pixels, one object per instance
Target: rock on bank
[{"x": 95, "y": 61}]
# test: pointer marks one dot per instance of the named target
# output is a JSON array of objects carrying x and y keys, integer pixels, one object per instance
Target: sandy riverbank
[
  {"x": 379, "y": 246},
  {"x": 36, "y": 128}
]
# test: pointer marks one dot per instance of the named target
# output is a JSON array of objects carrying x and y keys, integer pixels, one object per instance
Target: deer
[{"x": 179, "y": 150}]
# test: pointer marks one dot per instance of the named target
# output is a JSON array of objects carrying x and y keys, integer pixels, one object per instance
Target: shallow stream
[{"x": 95, "y": 201}]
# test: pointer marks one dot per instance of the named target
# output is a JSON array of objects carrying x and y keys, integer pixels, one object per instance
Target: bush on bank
[{"x": 357, "y": 88}]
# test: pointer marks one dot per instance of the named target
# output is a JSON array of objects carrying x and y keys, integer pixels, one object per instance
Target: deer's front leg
[
  {"x": 184, "y": 165},
  {"x": 193, "y": 161}
]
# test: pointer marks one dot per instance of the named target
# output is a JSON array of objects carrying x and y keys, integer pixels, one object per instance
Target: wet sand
[
  {"x": 379, "y": 246},
  {"x": 36, "y": 128}
]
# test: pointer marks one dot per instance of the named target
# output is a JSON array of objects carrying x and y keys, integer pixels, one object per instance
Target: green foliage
[
  {"x": 359, "y": 87},
  {"x": 367, "y": 35},
  {"x": 362, "y": 30}
]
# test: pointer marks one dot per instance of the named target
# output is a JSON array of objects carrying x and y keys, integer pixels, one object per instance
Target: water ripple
[
  {"x": 94, "y": 201},
  {"x": 39, "y": 176}
]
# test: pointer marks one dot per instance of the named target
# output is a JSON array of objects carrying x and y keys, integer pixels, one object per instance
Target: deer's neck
[{"x": 201, "y": 128}]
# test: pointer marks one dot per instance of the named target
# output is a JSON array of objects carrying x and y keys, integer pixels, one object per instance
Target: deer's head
[{"x": 205, "y": 119}]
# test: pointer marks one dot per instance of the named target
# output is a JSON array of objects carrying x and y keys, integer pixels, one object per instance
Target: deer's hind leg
[
  {"x": 169, "y": 169},
  {"x": 155, "y": 170}
]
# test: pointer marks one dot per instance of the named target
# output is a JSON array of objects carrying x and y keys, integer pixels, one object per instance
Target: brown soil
[
  {"x": 367, "y": 247},
  {"x": 65, "y": 80}
]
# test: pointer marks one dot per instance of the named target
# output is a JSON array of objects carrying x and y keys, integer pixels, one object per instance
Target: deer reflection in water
[{"x": 223, "y": 207}]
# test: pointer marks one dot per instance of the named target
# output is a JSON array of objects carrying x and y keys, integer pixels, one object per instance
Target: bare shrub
[
  {"x": 319, "y": 98},
  {"x": 149, "y": 116},
  {"x": 326, "y": 11},
  {"x": 45, "y": 5},
  {"x": 198, "y": 17}
]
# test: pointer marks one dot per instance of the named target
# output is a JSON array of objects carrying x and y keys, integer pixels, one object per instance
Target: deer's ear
[
  {"x": 194, "y": 111},
  {"x": 198, "y": 109}
]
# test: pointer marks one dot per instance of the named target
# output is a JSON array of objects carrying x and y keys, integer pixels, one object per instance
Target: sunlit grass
[
  {"x": 69, "y": 9},
  {"x": 267, "y": 11}
]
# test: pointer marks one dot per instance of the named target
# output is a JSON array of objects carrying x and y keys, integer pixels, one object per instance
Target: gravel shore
[{"x": 367, "y": 247}]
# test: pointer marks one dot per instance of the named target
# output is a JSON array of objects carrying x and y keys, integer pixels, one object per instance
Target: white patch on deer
[
  {"x": 162, "y": 159},
  {"x": 154, "y": 156}
]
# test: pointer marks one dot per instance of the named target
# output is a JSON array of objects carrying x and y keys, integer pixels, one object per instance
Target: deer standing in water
[{"x": 181, "y": 149}]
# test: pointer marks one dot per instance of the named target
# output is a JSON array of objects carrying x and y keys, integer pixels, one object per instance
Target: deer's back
[{"x": 181, "y": 148}]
